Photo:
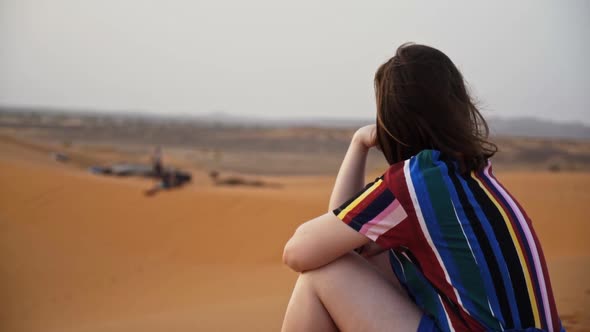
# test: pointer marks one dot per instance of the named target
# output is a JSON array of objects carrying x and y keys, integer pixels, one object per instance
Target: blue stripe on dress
[
  {"x": 432, "y": 223},
  {"x": 475, "y": 249}
]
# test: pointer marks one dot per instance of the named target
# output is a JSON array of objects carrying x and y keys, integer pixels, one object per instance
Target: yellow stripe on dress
[
  {"x": 525, "y": 267},
  {"x": 359, "y": 199}
]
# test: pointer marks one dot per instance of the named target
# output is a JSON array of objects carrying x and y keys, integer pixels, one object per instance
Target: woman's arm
[
  {"x": 325, "y": 238},
  {"x": 351, "y": 176}
]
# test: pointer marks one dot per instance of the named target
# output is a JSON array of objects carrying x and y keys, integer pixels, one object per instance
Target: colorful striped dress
[{"x": 461, "y": 245}]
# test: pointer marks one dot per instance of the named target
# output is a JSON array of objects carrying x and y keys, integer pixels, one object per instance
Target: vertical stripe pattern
[{"x": 460, "y": 244}]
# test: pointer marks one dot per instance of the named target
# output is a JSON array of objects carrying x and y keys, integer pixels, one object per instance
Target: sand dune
[{"x": 87, "y": 253}]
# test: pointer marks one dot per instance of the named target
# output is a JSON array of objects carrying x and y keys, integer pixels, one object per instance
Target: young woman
[{"x": 436, "y": 243}]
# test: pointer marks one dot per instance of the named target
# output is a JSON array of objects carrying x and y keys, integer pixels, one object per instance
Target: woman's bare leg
[
  {"x": 352, "y": 295},
  {"x": 382, "y": 263},
  {"x": 305, "y": 311}
]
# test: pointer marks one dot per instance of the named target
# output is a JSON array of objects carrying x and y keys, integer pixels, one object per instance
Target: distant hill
[
  {"x": 515, "y": 127},
  {"x": 270, "y": 121},
  {"x": 518, "y": 127},
  {"x": 531, "y": 127}
]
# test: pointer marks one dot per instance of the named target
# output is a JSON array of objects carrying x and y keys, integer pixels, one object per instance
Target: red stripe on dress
[
  {"x": 552, "y": 306},
  {"x": 402, "y": 234}
]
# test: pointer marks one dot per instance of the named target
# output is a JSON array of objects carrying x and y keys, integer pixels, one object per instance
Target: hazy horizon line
[{"x": 212, "y": 114}]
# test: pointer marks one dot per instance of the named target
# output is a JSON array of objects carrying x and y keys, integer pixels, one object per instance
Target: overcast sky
[{"x": 287, "y": 59}]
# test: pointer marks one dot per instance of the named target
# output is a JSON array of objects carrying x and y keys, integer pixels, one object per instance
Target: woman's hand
[{"x": 366, "y": 136}]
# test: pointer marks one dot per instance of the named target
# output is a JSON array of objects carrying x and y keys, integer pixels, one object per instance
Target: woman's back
[{"x": 462, "y": 246}]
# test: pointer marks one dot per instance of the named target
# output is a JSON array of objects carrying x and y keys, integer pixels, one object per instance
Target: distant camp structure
[
  {"x": 124, "y": 170},
  {"x": 168, "y": 177}
]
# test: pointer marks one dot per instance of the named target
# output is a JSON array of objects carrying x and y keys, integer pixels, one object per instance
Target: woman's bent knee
[
  {"x": 344, "y": 261},
  {"x": 333, "y": 271}
]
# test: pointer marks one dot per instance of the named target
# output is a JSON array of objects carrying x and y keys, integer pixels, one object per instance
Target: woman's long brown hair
[{"x": 422, "y": 103}]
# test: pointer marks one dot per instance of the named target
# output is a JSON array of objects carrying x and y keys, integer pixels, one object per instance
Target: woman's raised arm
[
  {"x": 351, "y": 176},
  {"x": 323, "y": 239}
]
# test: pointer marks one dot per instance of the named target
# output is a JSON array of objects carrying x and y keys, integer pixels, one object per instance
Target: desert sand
[{"x": 79, "y": 252}]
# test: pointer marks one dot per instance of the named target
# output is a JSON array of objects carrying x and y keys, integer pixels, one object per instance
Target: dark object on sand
[
  {"x": 175, "y": 178},
  {"x": 124, "y": 170},
  {"x": 61, "y": 157},
  {"x": 170, "y": 179},
  {"x": 100, "y": 170},
  {"x": 238, "y": 181},
  {"x": 142, "y": 170}
]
